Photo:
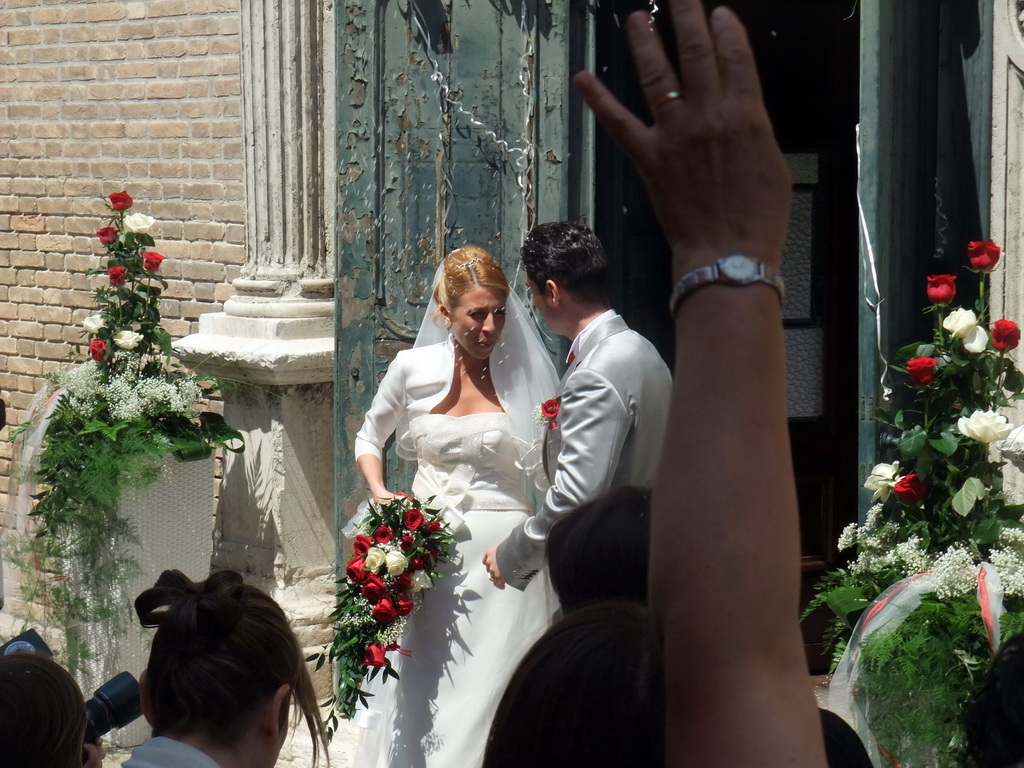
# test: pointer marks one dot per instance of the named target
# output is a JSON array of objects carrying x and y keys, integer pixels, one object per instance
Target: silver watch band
[{"x": 736, "y": 270}]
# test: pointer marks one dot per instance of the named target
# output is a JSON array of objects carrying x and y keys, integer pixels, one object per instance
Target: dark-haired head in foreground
[
  {"x": 223, "y": 651},
  {"x": 994, "y": 720},
  {"x": 614, "y": 528},
  {"x": 589, "y": 692},
  {"x": 42, "y": 713}
]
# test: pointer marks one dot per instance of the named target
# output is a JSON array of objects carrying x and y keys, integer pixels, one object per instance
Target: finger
[
  {"x": 738, "y": 68},
  {"x": 499, "y": 583},
  {"x": 698, "y": 68},
  {"x": 653, "y": 69},
  {"x": 623, "y": 126}
]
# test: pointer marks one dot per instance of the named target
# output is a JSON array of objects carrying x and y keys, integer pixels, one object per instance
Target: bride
[{"x": 461, "y": 403}]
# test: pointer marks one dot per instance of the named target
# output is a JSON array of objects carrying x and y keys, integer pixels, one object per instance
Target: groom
[{"x": 613, "y": 397}]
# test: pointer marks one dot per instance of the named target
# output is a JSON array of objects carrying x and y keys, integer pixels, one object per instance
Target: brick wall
[{"x": 96, "y": 97}]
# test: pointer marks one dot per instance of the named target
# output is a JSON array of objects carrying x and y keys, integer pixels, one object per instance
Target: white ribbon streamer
[{"x": 871, "y": 269}]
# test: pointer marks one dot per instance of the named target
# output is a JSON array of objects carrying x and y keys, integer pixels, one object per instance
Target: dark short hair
[
  {"x": 570, "y": 254},
  {"x": 221, "y": 649},
  {"x": 589, "y": 692},
  {"x": 994, "y": 720},
  {"x": 42, "y": 713},
  {"x": 613, "y": 528}
]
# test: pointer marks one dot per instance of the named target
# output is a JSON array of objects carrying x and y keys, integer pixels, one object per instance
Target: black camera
[{"x": 115, "y": 703}]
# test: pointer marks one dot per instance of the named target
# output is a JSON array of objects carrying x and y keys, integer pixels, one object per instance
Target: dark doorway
[{"x": 808, "y": 53}]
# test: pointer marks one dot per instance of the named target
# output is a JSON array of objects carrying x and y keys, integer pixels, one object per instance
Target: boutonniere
[{"x": 547, "y": 412}]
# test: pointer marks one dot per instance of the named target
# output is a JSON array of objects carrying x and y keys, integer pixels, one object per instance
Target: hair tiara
[{"x": 465, "y": 265}]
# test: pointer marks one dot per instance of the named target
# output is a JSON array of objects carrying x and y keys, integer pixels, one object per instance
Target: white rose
[
  {"x": 93, "y": 324},
  {"x": 960, "y": 322},
  {"x": 395, "y": 562},
  {"x": 984, "y": 426},
  {"x": 374, "y": 559},
  {"x": 127, "y": 339},
  {"x": 977, "y": 340},
  {"x": 882, "y": 479},
  {"x": 138, "y": 222},
  {"x": 420, "y": 581}
]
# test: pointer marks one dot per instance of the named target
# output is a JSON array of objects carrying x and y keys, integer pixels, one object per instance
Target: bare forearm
[
  {"x": 726, "y": 480},
  {"x": 725, "y": 516},
  {"x": 373, "y": 472}
]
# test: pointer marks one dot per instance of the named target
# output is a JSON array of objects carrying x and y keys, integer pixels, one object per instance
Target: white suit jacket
[{"x": 611, "y": 419}]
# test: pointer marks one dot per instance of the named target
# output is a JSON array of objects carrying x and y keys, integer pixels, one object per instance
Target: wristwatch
[{"x": 735, "y": 269}]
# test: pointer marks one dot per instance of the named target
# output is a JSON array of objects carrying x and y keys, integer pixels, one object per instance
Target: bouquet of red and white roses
[
  {"x": 940, "y": 528},
  {"x": 395, "y": 551}
]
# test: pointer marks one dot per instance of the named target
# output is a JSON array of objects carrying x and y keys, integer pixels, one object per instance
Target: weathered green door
[{"x": 454, "y": 128}]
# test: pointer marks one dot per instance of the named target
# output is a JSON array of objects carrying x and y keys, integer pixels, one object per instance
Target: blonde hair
[{"x": 467, "y": 268}]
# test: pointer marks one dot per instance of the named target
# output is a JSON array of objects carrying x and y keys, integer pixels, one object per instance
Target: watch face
[{"x": 740, "y": 268}]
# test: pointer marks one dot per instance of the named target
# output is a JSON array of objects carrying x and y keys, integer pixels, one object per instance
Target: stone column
[
  {"x": 1007, "y": 211},
  {"x": 275, "y": 520}
]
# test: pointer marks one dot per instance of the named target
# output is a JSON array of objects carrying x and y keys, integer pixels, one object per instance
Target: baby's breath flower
[
  {"x": 1010, "y": 566},
  {"x": 848, "y": 538},
  {"x": 955, "y": 573},
  {"x": 913, "y": 556}
]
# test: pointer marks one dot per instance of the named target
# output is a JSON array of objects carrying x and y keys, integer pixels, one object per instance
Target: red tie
[{"x": 572, "y": 356}]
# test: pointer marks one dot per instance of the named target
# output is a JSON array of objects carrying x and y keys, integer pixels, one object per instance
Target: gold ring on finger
[{"x": 666, "y": 98}]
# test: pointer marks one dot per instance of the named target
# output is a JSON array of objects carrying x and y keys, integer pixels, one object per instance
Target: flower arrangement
[
  {"x": 547, "y": 412},
  {"x": 398, "y": 545},
  {"x": 118, "y": 415},
  {"x": 938, "y": 510}
]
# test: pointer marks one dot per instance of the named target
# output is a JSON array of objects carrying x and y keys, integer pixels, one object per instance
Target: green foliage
[{"x": 916, "y": 680}]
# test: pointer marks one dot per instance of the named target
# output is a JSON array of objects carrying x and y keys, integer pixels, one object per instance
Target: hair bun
[{"x": 177, "y": 604}]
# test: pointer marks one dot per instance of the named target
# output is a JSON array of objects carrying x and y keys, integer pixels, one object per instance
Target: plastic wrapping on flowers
[
  {"x": 938, "y": 508},
  {"x": 396, "y": 549}
]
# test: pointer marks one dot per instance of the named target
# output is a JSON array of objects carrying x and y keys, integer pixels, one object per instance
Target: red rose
[
  {"x": 117, "y": 275},
  {"x": 407, "y": 542},
  {"x": 356, "y": 570},
  {"x": 921, "y": 370},
  {"x": 107, "y": 235},
  {"x": 384, "y": 611},
  {"x": 413, "y": 519},
  {"x": 403, "y": 582},
  {"x": 362, "y": 545},
  {"x": 151, "y": 260},
  {"x": 375, "y": 656},
  {"x": 374, "y": 589},
  {"x": 382, "y": 535},
  {"x": 416, "y": 563},
  {"x": 97, "y": 348},
  {"x": 941, "y": 289},
  {"x": 120, "y": 201},
  {"x": 983, "y": 255},
  {"x": 549, "y": 408},
  {"x": 911, "y": 489},
  {"x": 433, "y": 527},
  {"x": 404, "y": 606},
  {"x": 1005, "y": 335}
]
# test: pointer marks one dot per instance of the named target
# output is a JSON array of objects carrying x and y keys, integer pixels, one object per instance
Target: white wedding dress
[{"x": 467, "y": 637}]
